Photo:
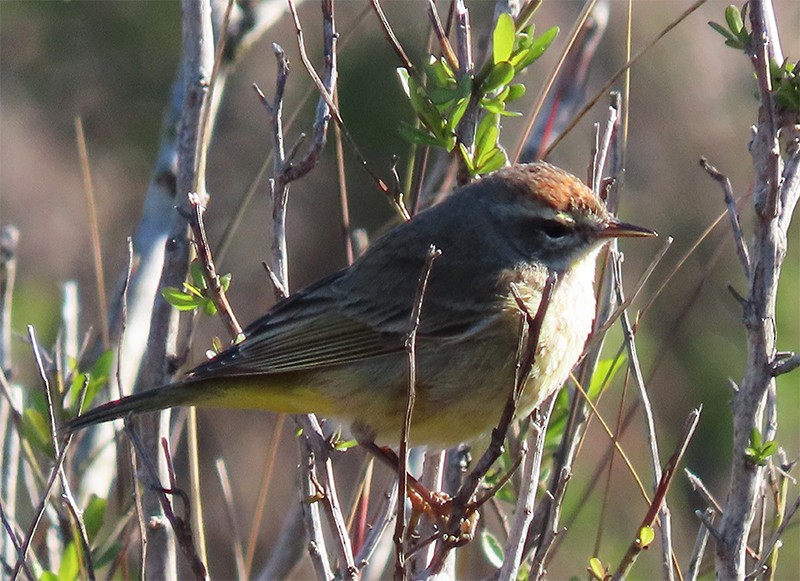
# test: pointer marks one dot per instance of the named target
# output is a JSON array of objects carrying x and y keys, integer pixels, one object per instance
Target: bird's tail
[{"x": 172, "y": 395}]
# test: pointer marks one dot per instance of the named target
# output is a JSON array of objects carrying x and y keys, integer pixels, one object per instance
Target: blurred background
[{"x": 113, "y": 63}]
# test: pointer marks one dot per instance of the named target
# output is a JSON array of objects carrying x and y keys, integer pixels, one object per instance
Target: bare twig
[
  {"x": 210, "y": 274},
  {"x": 775, "y": 196},
  {"x": 733, "y": 215},
  {"x": 233, "y": 522},
  {"x": 636, "y": 371},
  {"x": 693, "y": 570},
  {"x": 182, "y": 526},
  {"x": 94, "y": 229},
  {"x": 530, "y": 328},
  {"x": 578, "y": 418},
  {"x": 37, "y": 518},
  {"x": 391, "y": 37},
  {"x": 781, "y": 366},
  {"x": 441, "y": 36},
  {"x": 263, "y": 489},
  {"x": 9, "y": 414},
  {"x": 402, "y": 465},
  {"x": 773, "y": 540},
  {"x": 524, "y": 512},
  {"x": 323, "y": 492},
  {"x": 13, "y": 538},
  {"x": 569, "y": 82},
  {"x": 613, "y": 79},
  {"x": 379, "y": 525},
  {"x": 550, "y": 527},
  {"x": 659, "y": 498},
  {"x": 698, "y": 485}
]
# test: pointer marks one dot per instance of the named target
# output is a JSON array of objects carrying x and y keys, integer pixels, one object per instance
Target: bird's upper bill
[{"x": 616, "y": 229}]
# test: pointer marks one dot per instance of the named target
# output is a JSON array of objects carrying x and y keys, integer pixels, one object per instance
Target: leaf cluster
[
  {"x": 736, "y": 34},
  {"x": 442, "y": 98},
  {"x": 195, "y": 294}
]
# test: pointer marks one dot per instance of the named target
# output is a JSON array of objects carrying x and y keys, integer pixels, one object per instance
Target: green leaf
[
  {"x": 724, "y": 32},
  {"x": 48, "y": 576},
  {"x": 179, "y": 299},
  {"x": 342, "y": 445},
  {"x": 225, "y": 281},
  {"x": 526, "y": 55},
  {"x": 646, "y": 536},
  {"x": 596, "y": 569},
  {"x": 542, "y": 43},
  {"x": 495, "y": 106},
  {"x": 467, "y": 158},
  {"x": 417, "y": 136},
  {"x": 755, "y": 438},
  {"x": 36, "y": 430},
  {"x": 515, "y": 92},
  {"x": 460, "y": 105},
  {"x": 734, "y": 19},
  {"x": 192, "y": 290},
  {"x": 605, "y": 371},
  {"x": 442, "y": 96},
  {"x": 197, "y": 275},
  {"x": 769, "y": 449},
  {"x": 497, "y": 160},
  {"x": 209, "y": 308},
  {"x": 503, "y": 38},
  {"x": 501, "y": 74},
  {"x": 98, "y": 377},
  {"x": 486, "y": 137},
  {"x": 439, "y": 72},
  {"x": 492, "y": 549},
  {"x": 93, "y": 515},
  {"x": 403, "y": 75},
  {"x": 424, "y": 108},
  {"x": 70, "y": 567}
]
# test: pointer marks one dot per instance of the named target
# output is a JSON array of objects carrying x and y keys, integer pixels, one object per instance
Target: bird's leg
[{"x": 433, "y": 503}]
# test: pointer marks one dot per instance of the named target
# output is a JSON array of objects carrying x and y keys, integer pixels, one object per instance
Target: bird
[{"x": 338, "y": 347}]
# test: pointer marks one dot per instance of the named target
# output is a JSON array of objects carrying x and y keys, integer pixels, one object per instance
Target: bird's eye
[{"x": 555, "y": 229}]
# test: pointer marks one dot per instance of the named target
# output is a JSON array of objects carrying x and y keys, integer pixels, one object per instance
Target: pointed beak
[{"x": 616, "y": 229}]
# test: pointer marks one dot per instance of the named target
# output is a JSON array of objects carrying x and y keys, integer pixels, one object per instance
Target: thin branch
[
  {"x": 659, "y": 499},
  {"x": 774, "y": 202},
  {"x": 402, "y": 465},
  {"x": 377, "y": 528},
  {"x": 786, "y": 365},
  {"x": 441, "y": 36},
  {"x": 235, "y": 538},
  {"x": 773, "y": 541},
  {"x": 213, "y": 282},
  {"x": 94, "y": 229},
  {"x": 525, "y": 506},
  {"x": 613, "y": 79},
  {"x": 530, "y": 329},
  {"x": 733, "y": 215},
  {"x": 700, "y": 488},
  {"x": 391, "y": 37},
  {"x": 263, "y": 489},
  {"x": 550, "y": 526},
  {"x": 182, "y": 527},
  {"x": 320, "y": 488},
  {"x": 693, "y": 570},
  {"x": 636, "y": 371},
  {"x": 39, "y": 512}
]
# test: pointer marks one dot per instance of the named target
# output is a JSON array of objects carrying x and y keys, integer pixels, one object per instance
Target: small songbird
[{"x": 337, "y": 347}]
